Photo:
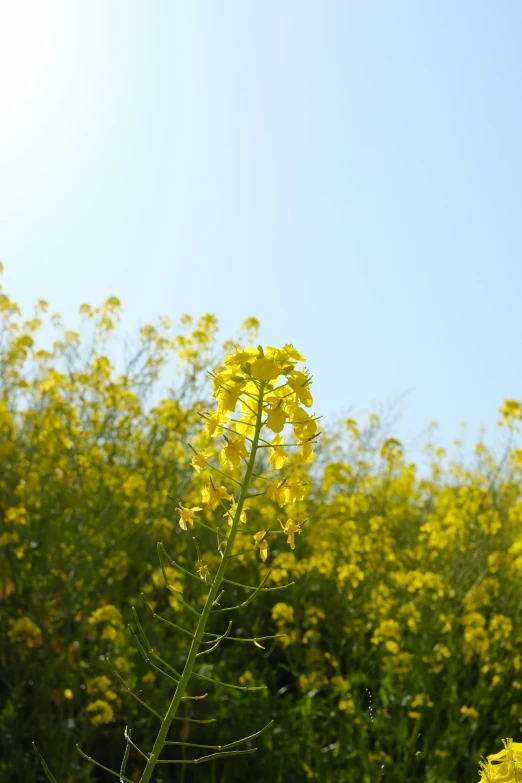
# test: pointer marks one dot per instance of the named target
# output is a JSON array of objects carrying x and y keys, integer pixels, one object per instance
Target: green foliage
[{"x": 401, "y": 660}]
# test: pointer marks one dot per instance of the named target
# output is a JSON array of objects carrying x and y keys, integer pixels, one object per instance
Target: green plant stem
[{"x": 213, "y": 593}]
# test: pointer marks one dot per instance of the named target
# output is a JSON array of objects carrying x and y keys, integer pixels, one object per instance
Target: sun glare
[{"x": 26, "y": 35}]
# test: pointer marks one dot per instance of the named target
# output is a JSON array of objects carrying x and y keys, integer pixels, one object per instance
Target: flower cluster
[
  {"x": 257, "y": 390},
  {"x": 505, "y": 766}
]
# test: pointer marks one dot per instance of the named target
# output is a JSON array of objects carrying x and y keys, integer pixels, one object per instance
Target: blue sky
[{"x": 348, "y": 172}]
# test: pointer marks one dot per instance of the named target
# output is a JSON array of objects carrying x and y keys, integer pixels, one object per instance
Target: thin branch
[
  {"x": 177, "y": 565},
  {"x": 149, "y": 647},
  {"x": 206, "y": 758},
  {"x": 250, "y": 597},
  {"x": 264, "y": 589},
  {"x": 93, "y": 761},
  {"x": 229, "y": 744},
  {"x": 48, "y": 774},
  {"x": 173, "y": 589},
  {"x": 163, "y": 620},
  {"x": 148, "y": 707},
  {"x": 217, "y": 642},
  {"x": 216, "y": 600},
  {"x": 123, "y": 765},
  {"x": 126, "y": 734},
  {"x": 259, "y": 476},
  {"x": 147, "y": 659},
  {"x": 244, "y": 552},
  {"x": 228, "y": 685},
  {"x": 140, "y": 629},
  {"x": 255, "y": 639}
]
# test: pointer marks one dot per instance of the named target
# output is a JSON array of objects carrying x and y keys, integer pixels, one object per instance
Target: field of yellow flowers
[{"x": 397, "y": 654}]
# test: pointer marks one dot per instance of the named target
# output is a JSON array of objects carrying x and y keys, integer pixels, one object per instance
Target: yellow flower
[
  {"x": 214, "y": 423},
  {"x": 277, "y": 491},
  {"x": 228, "y": 399},
  {"x": 199, "y": 460},
  {"x": 293, "y": 353},
  {"x": 277, "y": 455},
  {"x": 230, "y": 514},
  {"x": 300, "y": 383},
  {"x": 203, "y": 571},
  {"x": 213, "y": 494},
  {"x": 289, "y": 490},
  {"x": 294, "y": 489},
  {"x": 101, "y": 685},
  {"x": 282, "y": 613},
  {"x": 246, "y": 425},
  {"x": 276, "y": 418},
  {"x": 107, "y": 614},
  {"x": 503, "y": 767},
  {"x": 290, "y": 529},
  {"x": 261, "y": 544},
  {"x": 470, "y": 712},
  {"x": 265, "y": 369},
  {"x": 68, "y": 694},
  {"x": 187, "y": 515},
  {"x": 24, "y": 630},
  {"x": 233, "y": 451},
  {"x": 305, "y": 426},
  {"x": 307, "y": 452},
  {"x": 242, "y": 357},
  {"x": 103, "y": 712}
]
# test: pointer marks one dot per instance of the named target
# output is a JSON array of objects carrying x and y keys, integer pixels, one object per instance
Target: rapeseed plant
[{"x": 257, "y": 390}]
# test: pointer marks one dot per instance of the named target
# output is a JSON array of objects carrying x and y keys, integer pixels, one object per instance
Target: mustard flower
[
  {"x": 232, "y": 452},
  {"x": 304, "y": 425},
  {"x": 290, "y": 529},
  {"x": 277, "y": 455},
  {"x": 26, "y": 631},
  {"x": 307, "y": 452},
  {"x": 230, "y": 514},
  {"x": 276, "y": 418},
  {"x": 187, "y": 515},
  {"x": 103, "y": 712},
  {"x": 214, "y": 423},
  {"x": 277, "y": 491},
  {"x": 300, "y": 383},
  {"x": 213, "y": 494},
  {"x": 505, "y": 766},
  {"x": 265, "y": 369},
  {"x": 199, "y": 460},
  {"x": 203, "y": 571},
  {"x": 294, "y": 489},
  {"x": 262, "y": 544},
  {"x": 470, "y": 712}
]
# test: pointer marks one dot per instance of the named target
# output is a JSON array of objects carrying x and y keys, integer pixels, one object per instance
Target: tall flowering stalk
[{"x": 258, "y": 392}]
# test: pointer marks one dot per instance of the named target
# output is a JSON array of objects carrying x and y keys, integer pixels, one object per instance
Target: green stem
[{"x": 213, "y": 593}]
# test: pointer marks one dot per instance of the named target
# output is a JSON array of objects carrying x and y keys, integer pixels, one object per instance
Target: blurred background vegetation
[{"x": 402, "y": 659}]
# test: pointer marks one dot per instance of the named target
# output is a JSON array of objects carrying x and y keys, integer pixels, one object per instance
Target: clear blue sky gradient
[{"x": 348, "y": 172}]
